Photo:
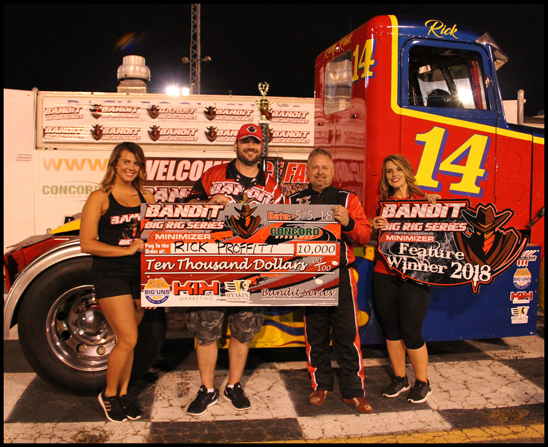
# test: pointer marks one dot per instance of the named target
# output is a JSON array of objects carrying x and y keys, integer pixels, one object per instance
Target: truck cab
[{"x": 427, "y": 89}]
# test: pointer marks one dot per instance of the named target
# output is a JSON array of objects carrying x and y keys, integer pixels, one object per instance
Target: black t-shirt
[{"x": 120, "y": 226}]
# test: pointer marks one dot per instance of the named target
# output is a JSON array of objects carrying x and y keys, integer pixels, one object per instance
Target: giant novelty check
[{"x": 239, "y": 255}]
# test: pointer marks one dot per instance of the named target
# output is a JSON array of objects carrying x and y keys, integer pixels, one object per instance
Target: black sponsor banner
[{"x": 448, "y": 243}]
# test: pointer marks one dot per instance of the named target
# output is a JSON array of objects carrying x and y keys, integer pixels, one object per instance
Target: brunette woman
[{"x": 110, "y": 232}]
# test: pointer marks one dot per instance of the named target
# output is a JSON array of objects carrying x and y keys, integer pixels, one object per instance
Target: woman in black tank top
[{"x": 112, "y": 214}]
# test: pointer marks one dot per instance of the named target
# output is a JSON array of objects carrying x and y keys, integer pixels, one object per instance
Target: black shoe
[
  {"x": 131, "y": 407},
  {"x": 113, "y": 407},
  {"x": 237, "y": 397},
  {"x": 420, "y": 392},
  {"x": 398, "y": 386},
  {"x": 203, "y": 401}
]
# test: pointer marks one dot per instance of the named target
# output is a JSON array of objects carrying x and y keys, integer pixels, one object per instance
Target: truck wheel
[{"x": 65, "y": 337}]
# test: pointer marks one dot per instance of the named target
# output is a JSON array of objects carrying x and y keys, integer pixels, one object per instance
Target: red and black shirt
[{"x": 226, "y": 179}]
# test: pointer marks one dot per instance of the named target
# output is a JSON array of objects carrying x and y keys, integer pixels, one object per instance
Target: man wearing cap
[{"x": 240, "y": 181}]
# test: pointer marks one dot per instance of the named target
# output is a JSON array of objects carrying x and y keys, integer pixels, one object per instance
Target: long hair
[
  {"x": 403, "y": 163},
  {"x": 110, "y": 176}
]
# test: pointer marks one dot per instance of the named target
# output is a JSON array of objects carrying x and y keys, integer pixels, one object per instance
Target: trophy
[
  {"x": 263, "y": 104},
  {"x": 265, "y": 112}
]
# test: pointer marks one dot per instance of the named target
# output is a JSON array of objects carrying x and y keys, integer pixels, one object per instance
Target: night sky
[{"x": 80, "y": 47}]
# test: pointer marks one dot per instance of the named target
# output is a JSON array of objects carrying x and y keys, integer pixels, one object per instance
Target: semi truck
[{"x": 420, "y": 87}]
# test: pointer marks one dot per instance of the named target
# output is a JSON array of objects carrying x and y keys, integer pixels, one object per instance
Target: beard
[{"x": 246, "y": 160}]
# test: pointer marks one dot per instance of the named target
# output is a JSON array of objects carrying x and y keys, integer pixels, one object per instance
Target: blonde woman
[
  {"x": 401, "y": 306},
  {"x": 112, "y": 213}
]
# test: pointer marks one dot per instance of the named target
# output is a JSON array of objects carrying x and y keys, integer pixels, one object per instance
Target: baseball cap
[{"x": 250, "y": 130}]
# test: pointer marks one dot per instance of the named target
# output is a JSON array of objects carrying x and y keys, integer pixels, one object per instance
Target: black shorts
[
  {"x": 109, "y": 284},
  {"x": 401, "y": 307}
]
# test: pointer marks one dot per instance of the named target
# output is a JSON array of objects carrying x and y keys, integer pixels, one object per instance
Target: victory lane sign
[{"x": 239, "y": 255}]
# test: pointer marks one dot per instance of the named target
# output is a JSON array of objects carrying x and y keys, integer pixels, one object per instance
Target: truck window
[
  {"x": 338, "y": 84},
  {"x": 442, "y": 77}
]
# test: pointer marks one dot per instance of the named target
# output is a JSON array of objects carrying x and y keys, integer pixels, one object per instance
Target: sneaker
[
  {"x": 360, "y": 403},
  {"x": 131, "y": 407},
  {"x": 113, "y": 407},
  {"x": 398, "y": 386},
  {"x": 203, "y": 401},
  {"x": 420, "y": 392},
  {"x": 237, "y": 397}
]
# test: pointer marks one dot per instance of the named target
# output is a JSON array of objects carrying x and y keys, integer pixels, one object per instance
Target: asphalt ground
[{"x": 484, "y": 391}]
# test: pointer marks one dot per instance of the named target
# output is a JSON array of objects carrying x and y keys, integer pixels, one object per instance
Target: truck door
[{"x": 449, "y": 116}]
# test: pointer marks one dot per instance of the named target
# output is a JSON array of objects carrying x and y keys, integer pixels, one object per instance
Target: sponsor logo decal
[
  {"x": 237, "y": 290},
  {"x": 522, "y": 278},
  {"x": 521, "y": 297},
  {"x": 245, "y": 225},
  {"x": 156, "y": 290},
  {"x": 520, "y": 315}
]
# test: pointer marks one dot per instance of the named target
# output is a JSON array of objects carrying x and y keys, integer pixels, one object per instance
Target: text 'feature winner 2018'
[{"x": 448, "y": 243}]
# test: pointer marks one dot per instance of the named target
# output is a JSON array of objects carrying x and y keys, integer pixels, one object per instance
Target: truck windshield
[{"x": 442, "y": 77}]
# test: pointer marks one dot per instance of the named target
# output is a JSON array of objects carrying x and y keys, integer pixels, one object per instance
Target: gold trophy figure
[{"x": 263, "y": 104}]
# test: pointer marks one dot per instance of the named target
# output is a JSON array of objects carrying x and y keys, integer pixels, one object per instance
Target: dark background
[{"x": 78, "y": 48}]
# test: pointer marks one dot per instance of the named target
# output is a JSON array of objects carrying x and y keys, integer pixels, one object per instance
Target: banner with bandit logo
[
  {"x": 239, "y": 255},
  {"x": 448, "y": 243}
]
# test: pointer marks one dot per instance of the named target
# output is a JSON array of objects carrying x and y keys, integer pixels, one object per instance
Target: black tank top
[{"x": 120, "y": 226}]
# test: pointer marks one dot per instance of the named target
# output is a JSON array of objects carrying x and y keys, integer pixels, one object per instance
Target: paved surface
[{"x": 483, "y": 391}]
